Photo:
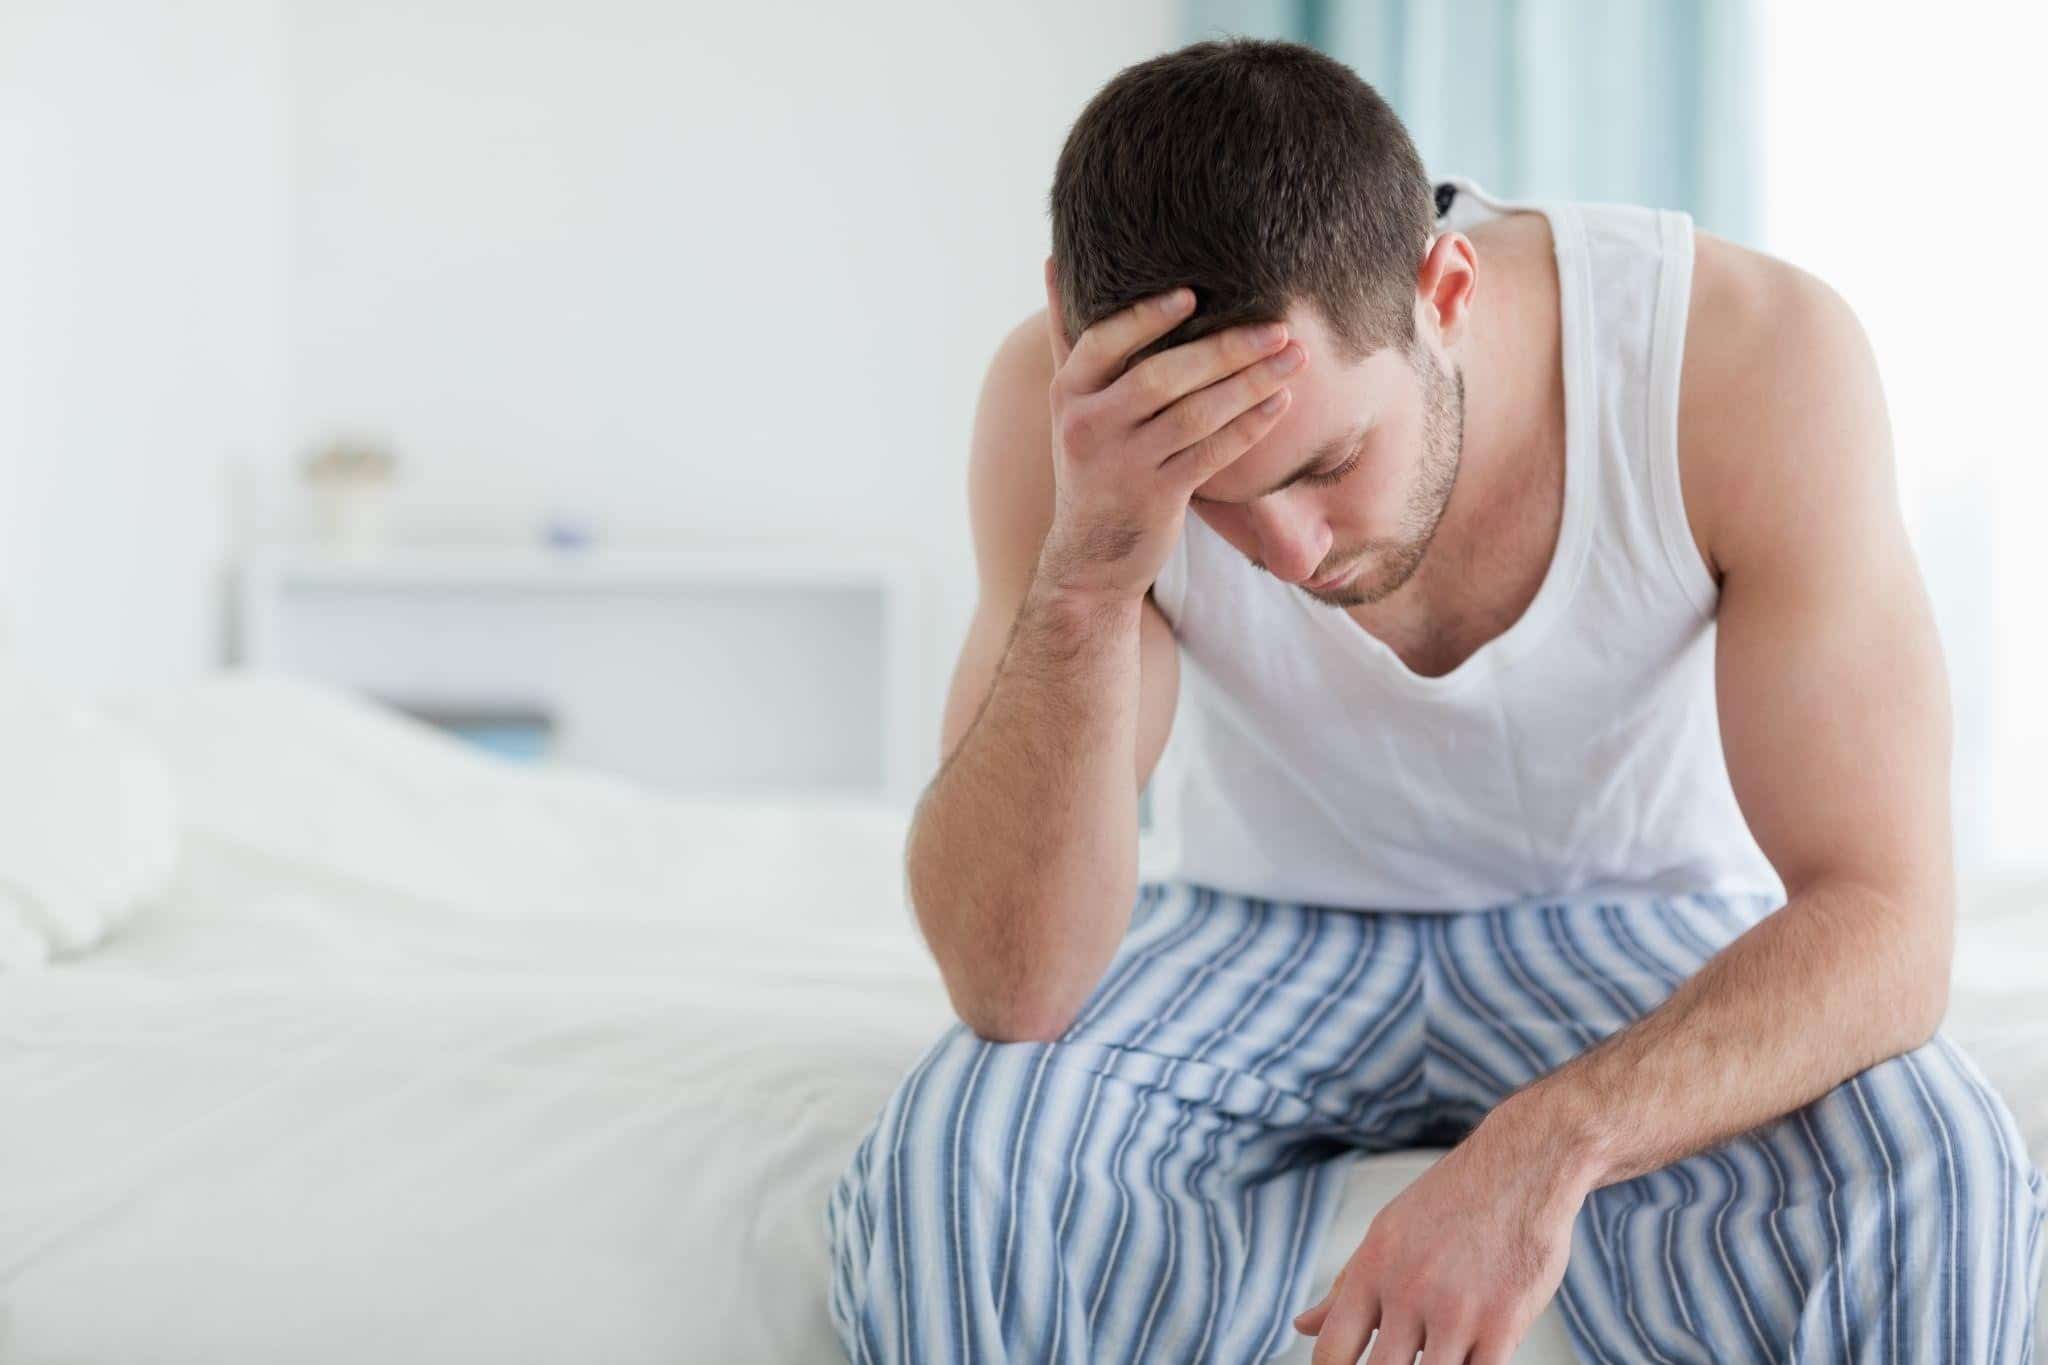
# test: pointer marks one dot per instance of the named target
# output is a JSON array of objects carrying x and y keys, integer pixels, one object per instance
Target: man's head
[{"x": 1279, "y": 186}]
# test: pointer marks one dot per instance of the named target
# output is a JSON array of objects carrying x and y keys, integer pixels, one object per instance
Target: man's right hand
[{"x": 1130, "y": 446}]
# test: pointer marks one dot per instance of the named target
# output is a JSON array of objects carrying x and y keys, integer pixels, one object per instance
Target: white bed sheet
[{"x": 430, "y": 1059}]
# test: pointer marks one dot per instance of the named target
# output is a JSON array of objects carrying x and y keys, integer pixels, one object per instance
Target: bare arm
[
  {"x": 1022, "y": 855},
  {"x": 1835, "y": 721},
  {"x": 1010, "y": 503}
]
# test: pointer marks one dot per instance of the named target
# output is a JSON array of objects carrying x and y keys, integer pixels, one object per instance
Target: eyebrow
[{"x": 1328, "y": 450}]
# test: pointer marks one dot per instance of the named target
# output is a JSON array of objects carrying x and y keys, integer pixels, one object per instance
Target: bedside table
[{"x": 706, "y": 671}]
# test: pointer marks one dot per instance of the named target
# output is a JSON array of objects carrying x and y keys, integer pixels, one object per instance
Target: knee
[
  {"x": 922, "y": 1205},
  {"x": 1927, "y": 1124},
  {"x": 1932, "y": 1196},
  {"x": 937, "y": 1130}
]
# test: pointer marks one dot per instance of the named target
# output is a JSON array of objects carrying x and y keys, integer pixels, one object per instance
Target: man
[{"x": 1563, "y": 778}]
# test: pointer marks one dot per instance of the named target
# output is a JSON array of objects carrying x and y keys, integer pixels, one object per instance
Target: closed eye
[{"x": 1323, "y": 480}]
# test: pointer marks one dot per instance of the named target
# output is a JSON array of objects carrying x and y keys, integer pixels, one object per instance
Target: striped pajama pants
[{"x": 1154, "y": 1185}]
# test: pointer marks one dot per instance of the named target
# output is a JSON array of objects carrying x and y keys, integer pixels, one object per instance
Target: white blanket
[
  {"x": 426, "y": 1059},
  {"x": 87, "y": 830}
]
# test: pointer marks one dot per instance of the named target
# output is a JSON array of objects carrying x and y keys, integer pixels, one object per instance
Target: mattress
[{"x": 427, "y": 1057}]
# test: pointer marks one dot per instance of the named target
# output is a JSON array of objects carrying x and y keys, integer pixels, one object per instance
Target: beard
[{"x": 1393, "y": 562}]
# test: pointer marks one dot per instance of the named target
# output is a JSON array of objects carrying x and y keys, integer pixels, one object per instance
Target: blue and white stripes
[{"x": 1154, "y": 1185}]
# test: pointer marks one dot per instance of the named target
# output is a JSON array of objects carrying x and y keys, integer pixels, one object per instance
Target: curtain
[{"x": 1637, "y": 101}]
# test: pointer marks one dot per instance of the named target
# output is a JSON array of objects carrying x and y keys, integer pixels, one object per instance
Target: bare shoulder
[
  {"x": 1781, "y": 417},
  {"x": 1009, "y": 475}
]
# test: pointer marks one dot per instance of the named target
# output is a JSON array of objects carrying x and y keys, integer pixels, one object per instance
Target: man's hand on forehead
[{"x": 1138, "y": 425}]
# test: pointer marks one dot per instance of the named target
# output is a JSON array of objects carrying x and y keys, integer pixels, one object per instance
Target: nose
[{"x": 1291, "y": 543}]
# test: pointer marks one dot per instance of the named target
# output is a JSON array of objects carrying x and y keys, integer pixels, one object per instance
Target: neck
[
  {"x": 1513, "y": 448},
  {"x": 1513, "y": 379}
]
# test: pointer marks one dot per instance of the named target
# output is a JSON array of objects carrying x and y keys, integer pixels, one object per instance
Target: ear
[
  {"x": 1055, "y": 320},
  {"x": 1444, "y": 284}
]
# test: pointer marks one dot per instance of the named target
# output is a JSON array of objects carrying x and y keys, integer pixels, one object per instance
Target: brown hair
[{"x": 1259, "y": 173}]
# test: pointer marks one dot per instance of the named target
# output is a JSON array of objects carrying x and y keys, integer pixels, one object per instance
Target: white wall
[
  {"x": 708, "y": 271},
  {"x": 142, "y": 275},
  {"x": 686, "y": 270}
]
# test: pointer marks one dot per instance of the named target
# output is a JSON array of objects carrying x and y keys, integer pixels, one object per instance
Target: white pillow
[
  {"x": 88, "y": 830},
  {"x": 341, "y": 786}
]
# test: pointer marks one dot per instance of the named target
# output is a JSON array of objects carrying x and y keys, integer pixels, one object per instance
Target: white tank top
[{"x": 1578, "y": 751}]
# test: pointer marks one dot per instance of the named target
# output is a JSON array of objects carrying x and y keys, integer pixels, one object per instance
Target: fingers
[
  {"x": 1097, "y": 359},
  {"x": 1310, "y": 1320},
  {"x": 1450, "y": 1352},
  {"x": 1159, "y": 381},
  {"x": 1346, "y": 1330},
  {"x": 1195, "y": 466},
  {"x": 1494, "y": 1352},
  {"x": 1398, "y": 1344},
  {"x": 1207, "y": 430}
]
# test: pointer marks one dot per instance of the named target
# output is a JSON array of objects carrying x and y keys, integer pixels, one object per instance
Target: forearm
[
  {"x": 1022, "y": 856},
  {"x": 1838, "y": 979}
]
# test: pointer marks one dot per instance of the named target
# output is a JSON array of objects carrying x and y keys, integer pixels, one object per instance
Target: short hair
[{"x": 1259, "y": 173}]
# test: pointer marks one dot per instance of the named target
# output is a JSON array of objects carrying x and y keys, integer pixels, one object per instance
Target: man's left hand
[{"x": 1460, "y": 1263}]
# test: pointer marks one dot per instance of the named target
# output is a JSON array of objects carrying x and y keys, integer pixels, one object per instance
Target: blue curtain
[{"x": 1639, "y": 101}]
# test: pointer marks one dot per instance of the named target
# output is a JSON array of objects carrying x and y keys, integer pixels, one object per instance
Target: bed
[{"x": 427, "y": 1057}]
